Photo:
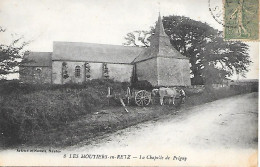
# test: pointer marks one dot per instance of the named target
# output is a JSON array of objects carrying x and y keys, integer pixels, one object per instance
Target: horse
[{"x": 169, "y": 92}]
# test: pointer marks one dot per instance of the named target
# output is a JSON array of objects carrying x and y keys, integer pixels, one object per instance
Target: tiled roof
[
  {"x": 37, "y": 59},
  {"x": 77, "y": 51}
]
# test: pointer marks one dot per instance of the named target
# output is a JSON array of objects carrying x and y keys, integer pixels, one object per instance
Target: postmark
[
  {"x": 216, "y": 10},
  {"x": 241, "y": 19}
]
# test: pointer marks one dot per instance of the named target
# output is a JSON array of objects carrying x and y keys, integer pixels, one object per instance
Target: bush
[
  {"x": 32, "y": 109},
  {"x": 9, "y": 126},
  {"x": 143, "y": 84},
  {"x": 15, "y": 86},
  {"x": 26, "y": 108}
]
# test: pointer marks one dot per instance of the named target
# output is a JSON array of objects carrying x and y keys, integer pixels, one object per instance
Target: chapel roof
[
  {"x": 78, "y": 51},
  {"x": 90, "y": 52},
  {"x": 37, "y": 59},
  {"x": 160, "y": 45}
]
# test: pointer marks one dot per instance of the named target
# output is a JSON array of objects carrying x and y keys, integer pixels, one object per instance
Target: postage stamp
[{"x": 241, "y": 19}]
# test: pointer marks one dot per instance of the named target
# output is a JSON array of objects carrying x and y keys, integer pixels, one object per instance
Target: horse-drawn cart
[
  {"x": 143, "y": 93},
  {"x": 145, "y": 97},
  {"x": 139, "y": 97}
]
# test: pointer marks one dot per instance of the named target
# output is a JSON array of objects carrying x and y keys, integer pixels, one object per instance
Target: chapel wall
[
  {"x": 64, "y": 72},
  {"x": 173, "y": 72},
  {"x": 147, "y": 70},
  {"x": 120, "y": 72},
  {"x": 35, "y": 75}
]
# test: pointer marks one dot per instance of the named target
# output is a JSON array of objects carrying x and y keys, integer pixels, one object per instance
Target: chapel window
[{"x": 77, "y": 71}]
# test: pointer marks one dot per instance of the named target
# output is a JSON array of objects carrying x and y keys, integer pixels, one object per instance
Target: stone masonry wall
[{"x": 35, "y": 75}]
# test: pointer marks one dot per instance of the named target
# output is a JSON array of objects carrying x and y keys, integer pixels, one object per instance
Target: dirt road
[
  {"x": 216, "y": 132},
  {"x": 219, "y": 133}
]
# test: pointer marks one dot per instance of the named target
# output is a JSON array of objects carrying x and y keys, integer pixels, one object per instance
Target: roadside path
[
  {"x": 219, "y": 133},
  {"x": 220, "y": 130}
]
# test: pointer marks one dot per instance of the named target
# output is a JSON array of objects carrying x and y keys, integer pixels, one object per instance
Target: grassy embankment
[{"x": 62, "y": 115}]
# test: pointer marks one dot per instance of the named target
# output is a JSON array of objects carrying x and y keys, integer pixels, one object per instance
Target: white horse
[{"x": 168, "y": 92}]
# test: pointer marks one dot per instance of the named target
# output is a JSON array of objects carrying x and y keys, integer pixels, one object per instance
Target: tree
[
  {"x": 139, "y": 38},
  {"x": 11, "y": 56},
  {"x": 221, "y": 59},
  {"x": 212, "y": 59}
]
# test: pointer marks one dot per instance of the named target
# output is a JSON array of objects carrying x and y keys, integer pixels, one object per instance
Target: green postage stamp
[{"x": 241, "y": 19}]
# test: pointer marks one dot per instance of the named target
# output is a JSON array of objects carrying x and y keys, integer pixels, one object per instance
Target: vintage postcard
[{"x": 129, "y": 82}]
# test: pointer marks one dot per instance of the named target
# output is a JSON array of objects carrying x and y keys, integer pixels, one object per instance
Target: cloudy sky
[{"x": 96, "y": 21}]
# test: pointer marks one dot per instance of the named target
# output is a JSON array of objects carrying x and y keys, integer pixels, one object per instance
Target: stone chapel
[{"x": 76, "y": 62}]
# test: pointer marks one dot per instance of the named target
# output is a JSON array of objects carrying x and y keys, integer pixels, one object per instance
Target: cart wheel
[{"x": 142, "y": 98}]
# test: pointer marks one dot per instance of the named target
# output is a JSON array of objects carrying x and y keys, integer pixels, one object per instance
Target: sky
[{"x": 97, "y": 21}]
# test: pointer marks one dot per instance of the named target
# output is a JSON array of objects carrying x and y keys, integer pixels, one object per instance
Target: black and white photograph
[{"x": 129, "y": 82}]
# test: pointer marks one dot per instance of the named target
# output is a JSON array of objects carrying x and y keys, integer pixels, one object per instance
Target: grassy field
[
  {"x": 68, "y": 114},
  {"x": 29, "y": 109}
]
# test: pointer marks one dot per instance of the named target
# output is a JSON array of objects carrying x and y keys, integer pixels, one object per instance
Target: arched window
[{"x": 77, "y": 71}]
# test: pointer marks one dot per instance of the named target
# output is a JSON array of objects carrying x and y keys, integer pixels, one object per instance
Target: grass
[
  {"x": 96, "y": 124},
  {"x": 65, "y": 115},
  {"x": 112, "y": 119},
  {"x": 29, "y": 109}
]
